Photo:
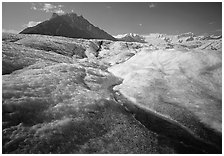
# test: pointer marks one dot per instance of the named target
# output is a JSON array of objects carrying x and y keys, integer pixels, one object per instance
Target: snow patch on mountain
[{"x": 131, "y": 37}]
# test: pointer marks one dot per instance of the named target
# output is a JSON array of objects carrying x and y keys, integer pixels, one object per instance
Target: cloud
[
  {"x": 47, "y": 7},
  {"x": 59, "y": 11},
  {"x": 34, "y": 8},
  {"x": 31, "y": 23},
  {"x": 218, "y": 30},
  {"x": 10, "y": 31},
  {"x": 211, "y": 23},
  {"x": 152, "y": 5}
]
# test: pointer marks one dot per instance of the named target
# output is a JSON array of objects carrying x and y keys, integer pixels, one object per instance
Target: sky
[{"x": 121, "y": 17}]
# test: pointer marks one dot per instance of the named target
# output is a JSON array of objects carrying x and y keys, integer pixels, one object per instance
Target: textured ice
[{"x": 57, "y": 93}]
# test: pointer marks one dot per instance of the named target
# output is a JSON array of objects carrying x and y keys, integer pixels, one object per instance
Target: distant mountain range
[
  {"x": 68, "y": 25},
  {"x": 156, "y": 37},
  {"x": 131, "y": 37}
]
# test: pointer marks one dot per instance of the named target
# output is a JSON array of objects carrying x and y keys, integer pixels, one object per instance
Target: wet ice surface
[
  {"x": 58, "y": 97},
  {"x": 181, "y": 86}
]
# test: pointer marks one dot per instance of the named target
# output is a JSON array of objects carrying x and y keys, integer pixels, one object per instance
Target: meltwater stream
[{"x": 183, "y": 140}]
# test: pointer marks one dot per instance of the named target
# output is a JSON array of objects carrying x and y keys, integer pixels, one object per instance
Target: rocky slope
[
  {"x": 64, "y": 95},
  {"x": 68, "y": 25}
]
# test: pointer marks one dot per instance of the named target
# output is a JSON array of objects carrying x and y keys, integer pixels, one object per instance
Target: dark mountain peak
[
  {"x": 81, "y": 16},
  {"x": 68, "y": 25},
  {"x": 68, "y": 15},
  {"x": 54, "y": 15},
  {"x": 71, "y": 15}
]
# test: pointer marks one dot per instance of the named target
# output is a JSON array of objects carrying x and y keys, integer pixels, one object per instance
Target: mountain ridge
[
  {"x": 68, "y": 25},
  {"x": 188, "y": 36}
]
